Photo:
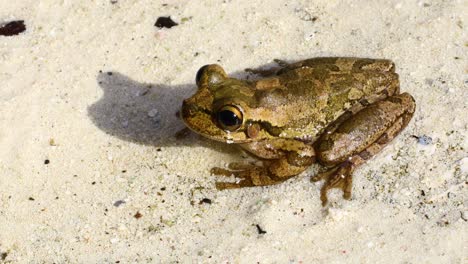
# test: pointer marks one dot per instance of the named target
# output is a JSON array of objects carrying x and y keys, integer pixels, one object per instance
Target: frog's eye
[
  {"x": 210, "y": 74},
  {"x": 199, "y": 74},
  {"x": 229, "y": 117}
]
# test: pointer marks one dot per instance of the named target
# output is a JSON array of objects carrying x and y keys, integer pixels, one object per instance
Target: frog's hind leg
[{"x": 344, "y": 159}]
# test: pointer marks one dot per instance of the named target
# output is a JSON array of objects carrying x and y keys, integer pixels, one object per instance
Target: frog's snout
[{"x": 190, "y": 111}]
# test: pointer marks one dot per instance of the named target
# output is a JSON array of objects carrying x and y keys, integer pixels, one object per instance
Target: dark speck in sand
[
  {"x": 118, "y": 203},
  {"x": 12, "y": 28},
  {"x": 206, "y": 201},
  {"x": 260, "y": 230},
  {"x": 138, "y": 215},
  {"x": 165, "y": 22}
]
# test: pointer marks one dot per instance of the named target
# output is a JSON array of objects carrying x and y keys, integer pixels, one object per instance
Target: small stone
[
  {"x": 119, "y": 203},
  {"x": 337, "y": 214},
  {"x": 165, "y": 22},
  {"x": 52, "y": 142},
  {"x": 138, "y": 215},
  {"x": 423, "y": 140},
  {"x": 153, "y": 112},
  {"x": 196, "y": 218},
  {"x": 464, "y": 165}
]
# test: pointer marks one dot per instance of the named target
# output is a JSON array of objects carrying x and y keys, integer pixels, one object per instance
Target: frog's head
[{"x": 221, "y": 109}]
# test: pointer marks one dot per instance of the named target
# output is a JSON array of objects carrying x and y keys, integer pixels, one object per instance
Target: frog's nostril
[
  {"x": 184, "y": 109},
  {"x": 187, "y": 109}
]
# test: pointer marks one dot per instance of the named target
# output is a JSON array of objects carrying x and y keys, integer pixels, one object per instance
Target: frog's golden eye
[
  {"x": 210, "y": 74},
  {"x": 229, "y": 117},
  {"x": 200, "y": 72}
]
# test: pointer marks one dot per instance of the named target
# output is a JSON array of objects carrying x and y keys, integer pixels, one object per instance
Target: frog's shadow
[{"x": 144, "y": 113}]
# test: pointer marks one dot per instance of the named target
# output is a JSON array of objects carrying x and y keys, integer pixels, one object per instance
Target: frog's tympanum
[{"x": 338, "y": 112}]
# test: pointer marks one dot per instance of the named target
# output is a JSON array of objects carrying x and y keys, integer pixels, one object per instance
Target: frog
[{"x": 337, "y": 112}]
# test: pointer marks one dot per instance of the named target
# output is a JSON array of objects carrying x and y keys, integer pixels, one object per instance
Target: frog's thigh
[
  {"x": 341, "y": 175},
  {"x": 377, "y": 123}
]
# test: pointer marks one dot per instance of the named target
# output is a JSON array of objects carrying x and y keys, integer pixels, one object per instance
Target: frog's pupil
[{"x": 228, "y": 118}]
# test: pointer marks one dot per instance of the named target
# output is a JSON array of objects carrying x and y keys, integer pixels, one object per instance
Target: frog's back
[
  {"x": 317, "y": 91},
  {"x": 343, "y": 64}
]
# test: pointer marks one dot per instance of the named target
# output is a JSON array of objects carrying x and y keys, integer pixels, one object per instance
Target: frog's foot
[
  {"x": 232, "y": 167},
  {"x": 271, "y": 71},
  {"x": 263, "y": 72},
  {"x": 248, "y": 176},
  {"x": 337, "y": 177},
  {"x": 281, "y": 63}
]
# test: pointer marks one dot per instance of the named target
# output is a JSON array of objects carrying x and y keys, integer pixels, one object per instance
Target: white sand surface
[{"x": 109, "y": 138}]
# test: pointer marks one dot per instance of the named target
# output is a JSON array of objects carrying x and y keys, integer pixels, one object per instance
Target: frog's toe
[
  {"x": 339, "y": 177},
  {"x": 221, "y": 172},
  {"x": 226, "y": 185},
  {"x": 281, "y": 63},
  {"x": 233, "y": 170},
  {"x": 234, "y": 185},
  {"x": 323, "y": 175},
  {"x": 240, "y": 166}
]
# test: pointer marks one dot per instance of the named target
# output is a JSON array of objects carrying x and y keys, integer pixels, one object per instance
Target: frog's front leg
[
  {"x": 282, "y": 159},
  {"x": 359, "y": 138}
]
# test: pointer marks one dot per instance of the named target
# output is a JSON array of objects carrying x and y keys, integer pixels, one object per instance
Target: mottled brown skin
[{"x": 335, "y": 111}]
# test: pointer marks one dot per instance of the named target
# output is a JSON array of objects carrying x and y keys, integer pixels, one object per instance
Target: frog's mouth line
[{"x": 188, "y": 109}]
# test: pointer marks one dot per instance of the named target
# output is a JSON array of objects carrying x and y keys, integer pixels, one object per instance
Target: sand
[{"x": 91, "y": 172}]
